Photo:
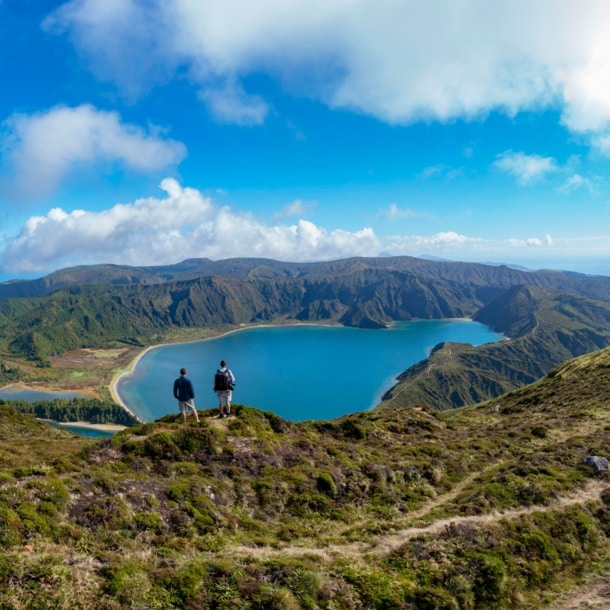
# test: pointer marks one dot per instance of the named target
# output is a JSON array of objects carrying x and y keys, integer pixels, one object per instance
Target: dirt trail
[
  {"x": 594, "y": 595},
  {"x": 429, "y": 506},
  {"x": 385, "y": 544}
]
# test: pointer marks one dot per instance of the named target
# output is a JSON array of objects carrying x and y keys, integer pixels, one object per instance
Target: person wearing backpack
[
  {"x": 224, "y": 382},
  {"x": 185, "y": 395}
]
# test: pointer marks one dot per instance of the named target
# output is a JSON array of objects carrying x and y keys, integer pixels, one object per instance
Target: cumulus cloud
[
  {"x": 123, "y": 233},
  {"x": 525, "y": 168},
  {"x": 181, "y": 225},
  {"x": 399, "y": 61},
  {"x": 42, "y": 149},
  {"x": 184, "y": 223},
  {"x": 446, "y": 238},
  {"x": 587, "y": 90}
]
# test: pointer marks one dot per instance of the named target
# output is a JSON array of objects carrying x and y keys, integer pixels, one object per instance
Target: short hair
[
  {"x": 183, "y": 371},
  {"x": 223, "y": 363}
]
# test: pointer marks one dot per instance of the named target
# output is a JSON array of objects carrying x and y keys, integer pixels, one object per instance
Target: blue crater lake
[{"x": 298, "y": 372}]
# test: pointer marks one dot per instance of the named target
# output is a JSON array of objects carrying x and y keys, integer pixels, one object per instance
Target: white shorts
[
  {"x": 183, "y": 405},
  {"x": 224, "y": 398}
]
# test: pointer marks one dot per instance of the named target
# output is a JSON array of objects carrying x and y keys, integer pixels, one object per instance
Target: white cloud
[
  {"x": 587, "y": 89},
  {"x": 525, "y": 168},
  {"x": 395, "y": 213},
  {"x": 601, "y": 142},
  {"x": 398, "y": 61},
  {"x": 445, "y": 238},
  {"x": 123, "y": 233},
  {"x": 576, "y": 182},
  {"x": 182, "y": 225},
  {"x": 231, "y": 104},
  {"x": 433, "y": 170},
  {"x": 296, "y": 208},
  {"x": 43, "y": 149},
  {"x": 455, "y": 245},
  {"x": 442, "y": 170},
  {"x": 185, "y": 224},
  {"x": 124, "y": 41}
]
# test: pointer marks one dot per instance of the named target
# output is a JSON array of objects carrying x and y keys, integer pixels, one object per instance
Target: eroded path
[{"x": 387, "y": 543}]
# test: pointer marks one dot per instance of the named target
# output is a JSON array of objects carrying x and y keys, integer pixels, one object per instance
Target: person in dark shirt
[
  {"x": 224, "y": 382},
  {"x": 185, "y": 395}
]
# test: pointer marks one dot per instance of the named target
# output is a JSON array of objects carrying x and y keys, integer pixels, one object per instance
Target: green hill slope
[
  {"x": 546, "y": 327},
  {"x": 483, "y": 507}
]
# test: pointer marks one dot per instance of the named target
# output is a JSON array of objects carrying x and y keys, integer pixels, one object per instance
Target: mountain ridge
[{"x": 103, "y": 306}]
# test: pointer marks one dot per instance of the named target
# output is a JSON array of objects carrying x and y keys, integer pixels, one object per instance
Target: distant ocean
[
  {"x": 297, "y": 372},
  {"x": 588, "y": 266}
]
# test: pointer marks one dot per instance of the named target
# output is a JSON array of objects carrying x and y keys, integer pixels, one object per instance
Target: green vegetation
[
  {"x": 546, "y": 329},
  {"x": 409, "y": 508}
]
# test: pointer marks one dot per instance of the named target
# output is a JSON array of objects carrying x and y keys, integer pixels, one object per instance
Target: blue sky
[{"x": 146, "y": 132}]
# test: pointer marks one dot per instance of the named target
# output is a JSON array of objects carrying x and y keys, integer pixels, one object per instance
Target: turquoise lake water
[
  {"x": 16, "y": 393},
  {"x": 297, "y": 372}
]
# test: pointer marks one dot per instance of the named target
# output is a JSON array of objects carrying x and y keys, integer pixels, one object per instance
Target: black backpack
[{"x": 222, "y": 381}]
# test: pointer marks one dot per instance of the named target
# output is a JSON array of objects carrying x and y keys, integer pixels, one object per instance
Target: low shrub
[{"x": 326, "y": 484}]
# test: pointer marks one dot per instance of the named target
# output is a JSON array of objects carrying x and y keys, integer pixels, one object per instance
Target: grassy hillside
[
  {"x": 545, "y": 329},
  {"x": 491, "y": 506}
]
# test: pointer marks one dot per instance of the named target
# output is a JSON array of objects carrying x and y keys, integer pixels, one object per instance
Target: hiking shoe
[{"x": 220, "y": 415}]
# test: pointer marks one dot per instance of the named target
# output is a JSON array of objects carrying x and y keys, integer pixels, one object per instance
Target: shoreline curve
[{"x": 112, "y": 386}]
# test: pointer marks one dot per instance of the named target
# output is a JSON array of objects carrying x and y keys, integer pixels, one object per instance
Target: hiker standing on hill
[
  {"x": 224, "y": 382},
  {"x": 185, "y": 395}
]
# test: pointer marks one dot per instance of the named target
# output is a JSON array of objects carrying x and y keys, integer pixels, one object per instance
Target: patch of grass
[{"x": 309, "y": 515}]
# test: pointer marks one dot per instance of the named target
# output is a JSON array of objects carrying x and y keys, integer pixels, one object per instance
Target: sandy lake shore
[{"x": 87, "y": 425}]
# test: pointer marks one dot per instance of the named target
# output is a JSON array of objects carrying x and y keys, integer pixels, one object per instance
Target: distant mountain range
[{"x": 550, "y": 316}]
